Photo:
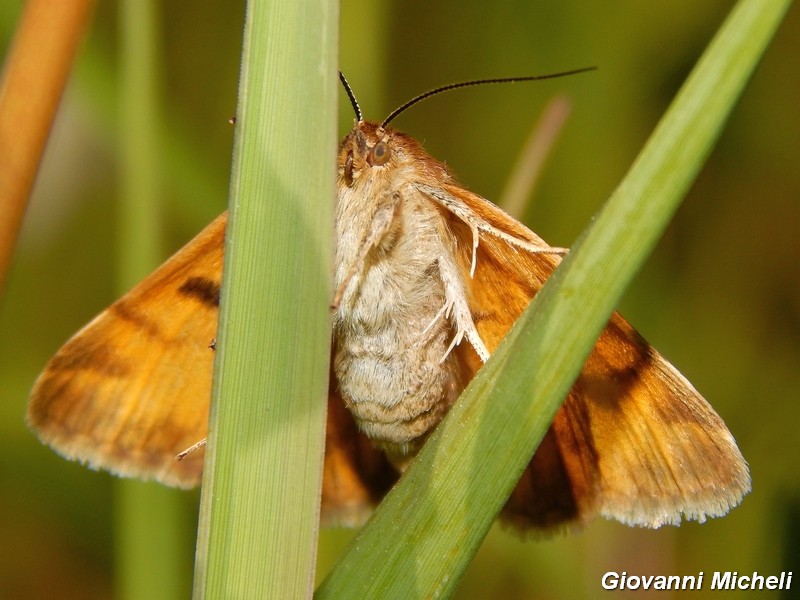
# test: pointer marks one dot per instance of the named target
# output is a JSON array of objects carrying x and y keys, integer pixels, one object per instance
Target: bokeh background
[{"x": 720, "y": 296}]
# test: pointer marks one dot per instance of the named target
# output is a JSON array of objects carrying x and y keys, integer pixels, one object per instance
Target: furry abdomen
[{"x": 390, "y": 335}]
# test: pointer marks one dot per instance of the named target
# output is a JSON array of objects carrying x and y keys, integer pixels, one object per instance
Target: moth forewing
[
  {"x": 634, "y": 440},
  {"x": 662, "y": 453},
  {"x": 131, "y": 390}
]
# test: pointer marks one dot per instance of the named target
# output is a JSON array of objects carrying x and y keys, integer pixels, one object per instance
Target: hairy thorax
[{"x": 392, "y": 332}]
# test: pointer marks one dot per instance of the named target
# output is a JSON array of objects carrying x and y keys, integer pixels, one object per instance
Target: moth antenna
[
  {"x": 453, "y": 86},
  {"x": 351, "y": 95}
]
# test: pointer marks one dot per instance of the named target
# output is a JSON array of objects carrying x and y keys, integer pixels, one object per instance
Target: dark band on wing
[{"x": 204, "y": 290}]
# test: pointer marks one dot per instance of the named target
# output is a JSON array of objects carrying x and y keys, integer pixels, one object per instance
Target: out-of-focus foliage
[{"x": 720, "y": 296}]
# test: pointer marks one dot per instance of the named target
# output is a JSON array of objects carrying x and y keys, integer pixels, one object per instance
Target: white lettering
[
  {"x": 689, "y": 582},
  {"x": 722, "y": 581},
  {"x": 613, "y": 580},
  {"x": 660, "y": 583},
  {"x": 610, "y": 580}
]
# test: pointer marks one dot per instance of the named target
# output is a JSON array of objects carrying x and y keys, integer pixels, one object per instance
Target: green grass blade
[
  {"x": 260, "y": 497},
  {"x": 423, "y": 537},
  {"x": 150, "y": 556}
]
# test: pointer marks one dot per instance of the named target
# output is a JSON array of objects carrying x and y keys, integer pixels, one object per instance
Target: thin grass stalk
[
  {"x": 44, "y": 44},
  {"x": 149, "y": 561},
  {"x": 518, "y": 191},
  {"x": 262, "y": 478}
]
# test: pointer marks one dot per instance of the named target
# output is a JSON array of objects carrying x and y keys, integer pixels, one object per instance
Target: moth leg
[
  {"x": 478, "y": 225},
  {"x": 192, "y": 448},
  {"x": 476, "y": 236},
  {"x": 381, "y": 223},
  {"x": 457, "y": 308},
  {"x": 445, "y": 310}
]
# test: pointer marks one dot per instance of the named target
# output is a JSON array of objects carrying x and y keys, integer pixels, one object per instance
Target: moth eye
[
  {"x": 348, "y": 170},
  {"x": 379, "y": 155}
]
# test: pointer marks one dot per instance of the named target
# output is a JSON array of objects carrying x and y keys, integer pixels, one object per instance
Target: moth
[{"x": 429, "y": 277}]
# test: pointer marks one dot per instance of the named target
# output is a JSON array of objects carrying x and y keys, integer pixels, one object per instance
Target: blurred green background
[{"x": 720, "y": 296}]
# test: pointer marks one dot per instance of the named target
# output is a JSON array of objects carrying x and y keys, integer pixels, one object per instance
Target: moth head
[
  {"x": 371, "y": 151},
  {"x": 365, "y": 148}
]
